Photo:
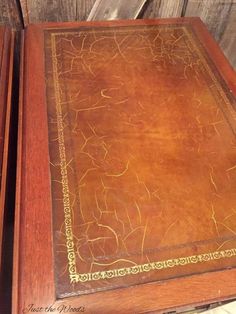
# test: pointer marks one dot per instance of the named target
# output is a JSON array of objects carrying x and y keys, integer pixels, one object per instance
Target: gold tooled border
[
  {"x": 63, "y": 166},
  {"x": 71, "y": 255}
]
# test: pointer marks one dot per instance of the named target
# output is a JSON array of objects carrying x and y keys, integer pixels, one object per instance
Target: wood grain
[
  {"x": 10, "y": 14},
  {"x": 34, "y": 278},
  {"x": 171, "y": 8},
  {"x": 163, "y": 8},
  {"x": 115, "y": 9},
  {"x": 18, "y": 181},
  {"x": 6, "y": 72},
  {"x": 5, "y": 111},
  {"x": 219, "y": 17},
  {"x": 214, "y": 13},
  {"x": 35, "y": 11},
  {"x": 228, "y": 38}
]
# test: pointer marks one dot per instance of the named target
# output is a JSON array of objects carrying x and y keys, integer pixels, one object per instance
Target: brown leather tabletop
[{"x": 142, "y": 146}]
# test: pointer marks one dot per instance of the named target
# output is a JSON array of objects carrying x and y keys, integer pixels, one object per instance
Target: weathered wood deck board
[
  {"x": 115, "y": 9},
  {"x": 35, "y": 11},
  {"x": 228, "y": 39},
  {"x": 214, "y": 14},
  {"x": 10, "y": 14},
  {"x": 164, "y": 8}
]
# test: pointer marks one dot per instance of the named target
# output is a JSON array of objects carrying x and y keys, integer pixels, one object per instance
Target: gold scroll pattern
[
  {"x": 170, "y": 263},
  {"x": 74, "y": 275},
  {"x": 63, "y": 167}
]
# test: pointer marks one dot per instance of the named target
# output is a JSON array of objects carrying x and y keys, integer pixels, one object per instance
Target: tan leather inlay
[{"x": 143, "y": 157}]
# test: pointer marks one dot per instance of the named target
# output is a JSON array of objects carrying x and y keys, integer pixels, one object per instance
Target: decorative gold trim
[
  {"x": 63, "y": 166},
  {"x": 170, "y": 263},
  {"x": 120, "y": 272}
]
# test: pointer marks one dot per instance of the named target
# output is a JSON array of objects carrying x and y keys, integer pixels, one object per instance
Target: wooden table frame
[
  {"x": 33, "y": 255},
  {"x": 6, "y": 72}
]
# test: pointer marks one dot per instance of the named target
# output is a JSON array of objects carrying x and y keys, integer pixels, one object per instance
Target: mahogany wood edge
[
  {"x": 2, "y": 31},
  {"x": 9, "y": 44},
  {"x": 171, "y": 294},
  {"x": 216, "y": 54},
  {"x": 8, "y": 119},
  {"x": 111, "y": 23},
  {"x": 3, "y": 73},
  {"x": 16, "y": 240},
  {"x": 21, "y": 205},
  {"x": 174, "y": 293}
]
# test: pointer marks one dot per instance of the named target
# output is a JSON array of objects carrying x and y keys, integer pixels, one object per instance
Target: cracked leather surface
[{"x": 142, "y": 157}]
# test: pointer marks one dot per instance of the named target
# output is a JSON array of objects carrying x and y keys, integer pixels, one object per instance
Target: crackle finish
[{"x": 142, "y": 157}]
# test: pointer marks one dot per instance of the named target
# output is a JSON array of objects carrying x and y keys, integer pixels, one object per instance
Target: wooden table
[{"x": 126, "y": 168}]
